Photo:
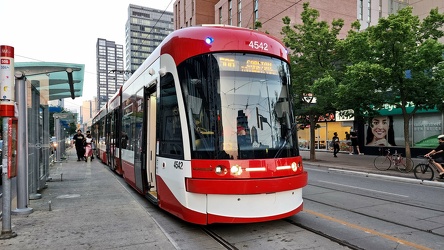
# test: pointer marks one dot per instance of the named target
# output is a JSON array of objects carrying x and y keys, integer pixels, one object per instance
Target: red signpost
[{"x": 7, "y": 80}]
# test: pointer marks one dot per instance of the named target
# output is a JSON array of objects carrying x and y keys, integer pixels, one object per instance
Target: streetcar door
[
  {"x": 145, "y": 140},
  {"x": 113, "y": 140},
  {"x": 139, "y": 128},
  {"x": 151, "y": 141}
]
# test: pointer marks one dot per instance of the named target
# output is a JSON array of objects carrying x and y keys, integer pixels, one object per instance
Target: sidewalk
[{"x": 85, "y": 208}]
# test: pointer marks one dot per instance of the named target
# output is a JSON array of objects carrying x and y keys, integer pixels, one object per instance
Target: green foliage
[
  {"x": 397, "y": 62},
  {"x": 315, "y": 64},
  {"x": 257, "y": 25},
  {"x": 314, "y": 60}
]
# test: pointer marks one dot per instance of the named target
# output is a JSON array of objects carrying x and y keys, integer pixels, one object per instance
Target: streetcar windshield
[{"x": 238, "y": 106}]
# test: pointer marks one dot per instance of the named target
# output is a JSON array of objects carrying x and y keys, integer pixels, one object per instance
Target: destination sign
[{"x": 247, "y": 64}]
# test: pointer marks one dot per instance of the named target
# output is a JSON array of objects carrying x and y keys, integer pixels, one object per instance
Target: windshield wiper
[{"x": 287, "y": 137}]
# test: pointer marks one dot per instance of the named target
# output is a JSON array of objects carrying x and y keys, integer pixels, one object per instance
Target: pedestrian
[
  {"x": 78, "y": 140},
  {"x": 348, "y": 142},
  {"x": 438, "y": 156},
  {"x": 335, "y": 141},
  {"x": 354, "y": 142},
  {"x": 88, "y": 146}
]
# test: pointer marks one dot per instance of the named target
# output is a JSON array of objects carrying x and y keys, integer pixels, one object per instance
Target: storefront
[
  {"x": 326, "y": 126},
  {"x": 378, "y": 133},
  {"x": 387, "y": 130}
]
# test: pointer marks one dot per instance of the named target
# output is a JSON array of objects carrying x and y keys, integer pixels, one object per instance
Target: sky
[{"x": 67, "y": 31}]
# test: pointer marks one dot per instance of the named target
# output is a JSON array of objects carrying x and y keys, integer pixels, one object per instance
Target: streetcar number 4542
[{"x": 258, "y": 45}]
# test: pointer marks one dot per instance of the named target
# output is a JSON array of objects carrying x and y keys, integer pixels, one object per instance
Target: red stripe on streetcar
[{"x": 246, "y": 186}]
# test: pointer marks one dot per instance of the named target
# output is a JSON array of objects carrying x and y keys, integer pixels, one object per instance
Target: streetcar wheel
[
  {"x": 406, "y": 165},
  {"x": 423, "y": 172},
  {"x": 382, "y": 163}
]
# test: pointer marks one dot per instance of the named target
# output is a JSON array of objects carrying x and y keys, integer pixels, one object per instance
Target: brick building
[{"x": 244, "y": 13}]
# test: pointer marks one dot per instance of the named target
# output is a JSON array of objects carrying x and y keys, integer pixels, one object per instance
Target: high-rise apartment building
[
  {"x": 88, "y": 110},
  {"x": 145, "y": 29},
  {"x": 109, "y": 70}
]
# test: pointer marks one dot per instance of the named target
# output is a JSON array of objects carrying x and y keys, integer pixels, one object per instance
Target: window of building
[
  {"x": 369, "y": 17},
  {"x": 396, "y": 5},
  {"x": 360, "y": 9},
  {"x": 185, "y": 12},
  {"x": 256, "y": 10},
  {"x": 220, "y": 15},
  {"x": 380, "y": 8},
  {"x": 239, "y": 13},
  {"x": 230, "y": 17}
]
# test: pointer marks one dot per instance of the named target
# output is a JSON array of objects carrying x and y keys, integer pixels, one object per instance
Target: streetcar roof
[{"x": 194, "y": 39}]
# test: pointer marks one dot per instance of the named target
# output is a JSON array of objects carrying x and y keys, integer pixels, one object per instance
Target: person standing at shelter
[
  {"x": 335, "y": 141},
  {"x": 78, "y": 140}
]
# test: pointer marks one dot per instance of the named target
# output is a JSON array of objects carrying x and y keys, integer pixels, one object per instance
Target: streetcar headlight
[
  {"x": 220, "y": 170},
  {"x": 294, "y": 166},
  {"x": 236, "y": 170}
]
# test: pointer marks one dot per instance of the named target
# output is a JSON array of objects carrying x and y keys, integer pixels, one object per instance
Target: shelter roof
[{"x": 54, "y": 80}]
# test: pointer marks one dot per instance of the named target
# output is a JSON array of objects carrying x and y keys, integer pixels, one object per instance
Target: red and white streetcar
[{"x": 205, "y": 128}]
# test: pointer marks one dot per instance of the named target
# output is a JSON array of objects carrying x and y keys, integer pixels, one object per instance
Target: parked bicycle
[
  {"x": 384, "y": 162},
  {"x": 426, "y": 170}
]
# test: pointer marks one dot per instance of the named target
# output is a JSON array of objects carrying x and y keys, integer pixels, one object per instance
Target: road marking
[
  {"x": 368, "y": 230},
  {"x": 314, "y": 169},
  {"x": 365, "y": 189}
]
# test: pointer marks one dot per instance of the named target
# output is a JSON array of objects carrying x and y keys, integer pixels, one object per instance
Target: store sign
[
  {"x": 328, "y": 117},
  {"x": 341, "y": 118}
]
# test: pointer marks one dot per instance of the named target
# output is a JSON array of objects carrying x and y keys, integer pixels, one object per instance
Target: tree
[
  {"x": 314, "y": 66},
  {"x": 398, "y": 62}
]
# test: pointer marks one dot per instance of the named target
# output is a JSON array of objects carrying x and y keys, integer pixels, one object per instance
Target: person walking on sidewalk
[
  {"x": 335, "y": 141},
  {"x": 88, "y": 146},
  {"x": 77, "y": 140},
  {"x": 348, "y": 142},
  {"x": 438, "y": 156}
]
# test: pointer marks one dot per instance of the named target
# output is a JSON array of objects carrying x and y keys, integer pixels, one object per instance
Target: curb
[{"x": 395, "y": 178}]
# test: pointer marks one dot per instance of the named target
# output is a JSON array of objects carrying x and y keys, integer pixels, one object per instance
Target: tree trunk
[
  {"x": 408, "y": 153},
  {"x": 312, "y": 137}
]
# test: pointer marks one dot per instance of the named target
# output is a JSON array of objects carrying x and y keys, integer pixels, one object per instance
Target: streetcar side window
[{"x": 170, "y": 134}]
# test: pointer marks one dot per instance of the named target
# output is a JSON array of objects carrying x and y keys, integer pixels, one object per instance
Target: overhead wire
[{"x": 317, "y": 8}]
